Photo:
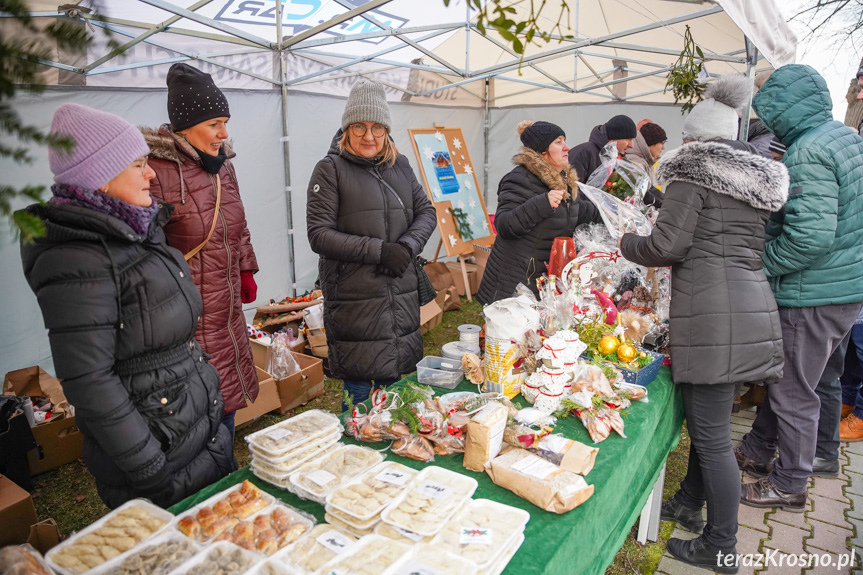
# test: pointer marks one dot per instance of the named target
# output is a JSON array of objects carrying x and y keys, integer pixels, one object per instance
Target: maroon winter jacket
[{"x": 216, "y": 268}]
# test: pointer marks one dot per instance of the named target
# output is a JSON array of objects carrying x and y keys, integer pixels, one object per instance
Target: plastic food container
[
  {"x": 346, "y": 525},
  {"x": 277, "y": 440},
  {"x": 433, "y": 496},
  {"x": 223, "y": 511},
  {"x": 439, "y": 371},
  {"x": 366, "y": 496},
  {"x": 399, "y": 534},
  {"x": 321, "y": 545},
  {"x": 280, "y": 474},
  {"x": 317, "y": 478},
  {"x": 498, "y": 566},
  {"x": 371, "y": 555},
  {"x": 425, "y": 558},
  {"x": 456, "y": 349},
  {"x": 221, "y": 557},
  {"x": 90, "y": 550},
  {"x": 269, "y": 530},
  {"x": 482, "y": 532},
  {"x": 158, "y": 556},
  {"x": 273, "y": 567},
  {"x": 303, "y": 451}
]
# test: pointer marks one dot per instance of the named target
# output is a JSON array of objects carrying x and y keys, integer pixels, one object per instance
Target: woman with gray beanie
[
  {"x": 537, "y": 201},
  {"x": 724, "y": 322},
  {"x": 368, "y": 218},
  {"x": 120, "y": 308},
  {"x": 194, "y": 173}
]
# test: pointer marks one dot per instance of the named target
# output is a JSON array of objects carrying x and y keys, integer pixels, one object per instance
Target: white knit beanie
[
  {"x": 716, "y": 117},
  {"x": 367, "y": 102}
]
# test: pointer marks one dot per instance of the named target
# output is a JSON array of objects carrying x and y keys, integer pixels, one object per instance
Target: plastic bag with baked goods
[
  {"x": 414, "y": 447},
  {"x": 22, "y": 560}
]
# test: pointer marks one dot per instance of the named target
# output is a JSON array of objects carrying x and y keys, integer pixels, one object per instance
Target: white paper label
[
  {"x": 469, "y": 535},
  {"x": 435, "y": 490},
  {"x": 394, "y": 477},
  {"x": 321, "y": 477},
  {"x": 409, "y": 534},
  {"x": 334, "y": 541},
  {"x": 535, "y": 467},
  {"x": 496, "y": 439},
  {"x": 415, "y": 568},
  {"x": 278, "y": 434}
]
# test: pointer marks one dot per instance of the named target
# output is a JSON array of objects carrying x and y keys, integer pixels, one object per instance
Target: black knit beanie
[
  {"x": 620, "y": 128},
  {"x": 653, "y": 134},
  {"x": 193, "y": 97},
  {"x": 539, "y": 135},
  {"x": 860, "y": 72}
]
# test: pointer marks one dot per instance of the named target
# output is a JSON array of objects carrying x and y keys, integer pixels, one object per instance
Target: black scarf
[{"x": 212, "y": 164}]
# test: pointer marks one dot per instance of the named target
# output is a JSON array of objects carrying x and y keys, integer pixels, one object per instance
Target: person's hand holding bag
[
  {"x": 395, "y": 259},
  {"x": 248, "y": 287}
]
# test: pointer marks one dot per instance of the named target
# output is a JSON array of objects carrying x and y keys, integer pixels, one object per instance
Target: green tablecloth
[{"x": 585, "y": 540}]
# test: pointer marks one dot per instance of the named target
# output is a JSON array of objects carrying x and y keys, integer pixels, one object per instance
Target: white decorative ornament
[
  {"x": 471, "y": 203},
  {"x": 485, "y": 225},
  {"x": 438, "y": 136},
  {"x": 468, "y": 170},
  {"x": 460, "y": 204},
  {"x": 452, "y": 240},
  {"x": 436, "y": 192},
  {"x": 427, "y": 152},
  {"x": 456, "y": 143},
  {"x": 468, "y": 185},
  {"x": 443, "y": 220},
  {"x": 471, "y": 220}
]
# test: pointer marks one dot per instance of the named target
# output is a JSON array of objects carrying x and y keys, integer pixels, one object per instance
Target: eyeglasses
[
  {"x": 143, "y": 161},
  {"x": 359, "y": 130}
]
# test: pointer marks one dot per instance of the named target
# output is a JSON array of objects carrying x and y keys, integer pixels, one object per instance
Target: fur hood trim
[
  {"x": 166, "y": 145},
  {"x": 761, "y": 183},
  {"x": 539, "y": 167}
]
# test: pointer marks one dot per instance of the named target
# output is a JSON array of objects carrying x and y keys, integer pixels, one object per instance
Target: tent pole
[
  {"x": 751, "y": 64},
  {"x": 485, "y": 128},
  {"x": 575, "y": 55},
  {"x": 286, "y": 150}
]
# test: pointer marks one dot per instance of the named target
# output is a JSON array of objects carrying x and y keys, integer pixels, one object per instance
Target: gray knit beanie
[
  {"x": 715, "y": 117},
  {"x": 367, "y": 102}
]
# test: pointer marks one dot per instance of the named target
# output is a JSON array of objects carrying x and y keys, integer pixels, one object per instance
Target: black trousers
[{"x": 712, "y": 476}]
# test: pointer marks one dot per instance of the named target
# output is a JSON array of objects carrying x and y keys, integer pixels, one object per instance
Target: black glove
[{"x": 395, "y": 259}]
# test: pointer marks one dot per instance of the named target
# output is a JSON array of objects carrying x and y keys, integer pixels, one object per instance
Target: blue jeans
[
  {"x": 853, "y": 375},
  {"x": 228, "y": 421},
  {"x": 360, "y": 390}
]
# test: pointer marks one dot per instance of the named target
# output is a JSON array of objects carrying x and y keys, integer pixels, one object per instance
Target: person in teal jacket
[{"x": 814, "y": 261}]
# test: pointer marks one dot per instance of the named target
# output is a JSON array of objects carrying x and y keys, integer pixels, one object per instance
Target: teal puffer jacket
[{"x": 813, "y": 255}]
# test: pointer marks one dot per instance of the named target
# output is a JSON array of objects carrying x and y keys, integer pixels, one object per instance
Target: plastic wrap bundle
[
  {"x": 281, "y": 360},
  {"x": 507, "y": 321},
  {"x": 619, "y": 177},
  {"x": 618, "y": 216}
]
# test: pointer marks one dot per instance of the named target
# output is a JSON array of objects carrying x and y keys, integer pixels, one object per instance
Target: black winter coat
[
  {"x": 372, "y": 320},
  {"x": 527, "y": 224},
  {"x": 724, "y": 322},
  {"x": 121, "y": 312},
  {"x": 585, "y": 157}
]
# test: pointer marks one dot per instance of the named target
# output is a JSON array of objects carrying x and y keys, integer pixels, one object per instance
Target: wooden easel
[{"x": 461, "y": 260}]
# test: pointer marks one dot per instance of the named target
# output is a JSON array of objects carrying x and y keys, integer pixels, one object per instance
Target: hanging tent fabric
[{"x": 287, "y": 65}]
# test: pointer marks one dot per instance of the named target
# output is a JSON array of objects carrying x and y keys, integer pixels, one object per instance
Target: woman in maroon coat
[{"x": 194, "y": 174}]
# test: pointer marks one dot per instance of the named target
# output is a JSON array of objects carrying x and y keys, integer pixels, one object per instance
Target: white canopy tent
[{"x": 286, "y": 66}]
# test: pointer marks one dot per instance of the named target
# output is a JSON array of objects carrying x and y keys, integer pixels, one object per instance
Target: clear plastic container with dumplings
[
  {"x": 293, "y": 459},
  {"x": 112, "y": 536},
  {"x": 222, "y": 557},
  {"x": 432, "y": 497},
  {"x": 221, "y": 512},
  {"x": 482, "y": 531},
  {"x": 371, "y": 555},
  {"x": 157, "y": 556},
  {"x": 317, "y": 478},
  {"x": 500, "y": 564},
  {"x": 322, "y": 544},
  {"x": 294, "y": 433},
  {"x": 425, "y": 558},
  {"x": 270, "y": 530},
  {"x": 364, "y": 497},
  {"x": 399, "y": 534},
  {"x": 342, "y": 522}
]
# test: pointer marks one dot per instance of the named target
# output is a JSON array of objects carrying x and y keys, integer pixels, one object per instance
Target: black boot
[
  {"x": 699, "y": 553},
  {"x": 673, "y": 510}
]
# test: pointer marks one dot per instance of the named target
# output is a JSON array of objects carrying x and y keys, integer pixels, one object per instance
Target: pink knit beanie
[{"x": 105, "y": 145}]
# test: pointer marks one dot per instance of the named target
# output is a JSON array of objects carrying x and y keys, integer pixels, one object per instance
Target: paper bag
[
  {"x": 484, "y": 436},
  {"x": 36, "y": 382}
]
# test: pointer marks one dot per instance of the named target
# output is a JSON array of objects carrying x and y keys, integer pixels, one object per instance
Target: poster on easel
[{"x": 451, "y": 184}]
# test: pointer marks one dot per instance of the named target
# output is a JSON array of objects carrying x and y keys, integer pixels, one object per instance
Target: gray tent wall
[{"x": 255, "y": 129}]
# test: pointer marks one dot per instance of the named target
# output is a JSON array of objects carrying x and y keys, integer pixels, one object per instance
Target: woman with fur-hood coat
[
  {"x": 724, "y": 322},
  {"x": 536, "y": 202}
]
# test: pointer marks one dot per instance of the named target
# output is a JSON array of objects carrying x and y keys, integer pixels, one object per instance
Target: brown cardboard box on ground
[
  {"x": 267, "y": 400},
  {"x": 260, "y": 350},
  {"x": 431, "y": 314},
  {"x": 301, "y": 387},
  {"x": 458, "y": 278},
  {"x": 58, "y": 440},
  {"x": 44, "y": 535},
  {"x": 317, "y": 339},
  {"x": 17, "y": 513}
]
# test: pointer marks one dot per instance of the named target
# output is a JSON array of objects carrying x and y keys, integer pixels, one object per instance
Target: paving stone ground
[{"x": 826, "y": 538}]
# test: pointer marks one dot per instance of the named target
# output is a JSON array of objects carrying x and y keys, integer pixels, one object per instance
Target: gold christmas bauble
[
  {"x": 608, "y": 344},
  {"x": 642, "y": 355},
  {"x": 626, "y": 353}
]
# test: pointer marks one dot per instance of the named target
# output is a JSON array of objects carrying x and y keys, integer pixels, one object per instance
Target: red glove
[{"x": 248, "y": 287}]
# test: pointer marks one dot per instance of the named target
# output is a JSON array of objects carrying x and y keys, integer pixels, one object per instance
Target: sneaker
[
  {"x": 846, "y": 410},
  {"x": 851, "y": 428},
  {"x": 825, "y": 467},
  {"x": 763, "y": 493},
  {"x": 699, "y": 553},
  {"x": 687, "y": 517},
  {"x": 750, "y": 466}
]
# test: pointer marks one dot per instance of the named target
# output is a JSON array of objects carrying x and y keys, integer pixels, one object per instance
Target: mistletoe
[{"x": 683, "y": 79}]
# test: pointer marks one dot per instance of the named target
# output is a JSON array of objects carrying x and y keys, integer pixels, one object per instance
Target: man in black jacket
[{"x": 585, "y": 157}]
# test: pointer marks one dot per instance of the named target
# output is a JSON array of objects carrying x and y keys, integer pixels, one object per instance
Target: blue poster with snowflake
[{"x": 445, "y": 173}]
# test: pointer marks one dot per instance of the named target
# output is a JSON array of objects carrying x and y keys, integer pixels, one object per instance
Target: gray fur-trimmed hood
[
  {"x": 761, "y": 183},
  {"x": 539, "y": 167}
]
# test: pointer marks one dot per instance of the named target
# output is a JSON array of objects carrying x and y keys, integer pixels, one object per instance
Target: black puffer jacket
[
  {"x": 585, "y": 157},
  {"x": 724, "y": 322},
  {"x": 121, "y": 312},
  {"x": 372, "y": 320},
  {"x": 527, "y": 224}
]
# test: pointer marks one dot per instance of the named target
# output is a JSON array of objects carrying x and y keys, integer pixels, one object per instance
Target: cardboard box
[
  {"x": 458, "y": 278},
  {"x": 44, "y": 535},
  {"x": 303, "y": 386},
  {"x": 480, "y": 258},
  {"x": 317, "y": 339},
  {"x": 17, "y": 513},
  {"x": 267, "y": 400},
  {"x": 260, "y": 350},
  {"x": 431, "y": 314},
  {"x": 58, "y": 440}
]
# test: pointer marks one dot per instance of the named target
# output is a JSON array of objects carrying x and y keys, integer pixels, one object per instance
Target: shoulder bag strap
[
  {"x": 191, "y": 254},
  {"x": 390, "y": 188}
]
